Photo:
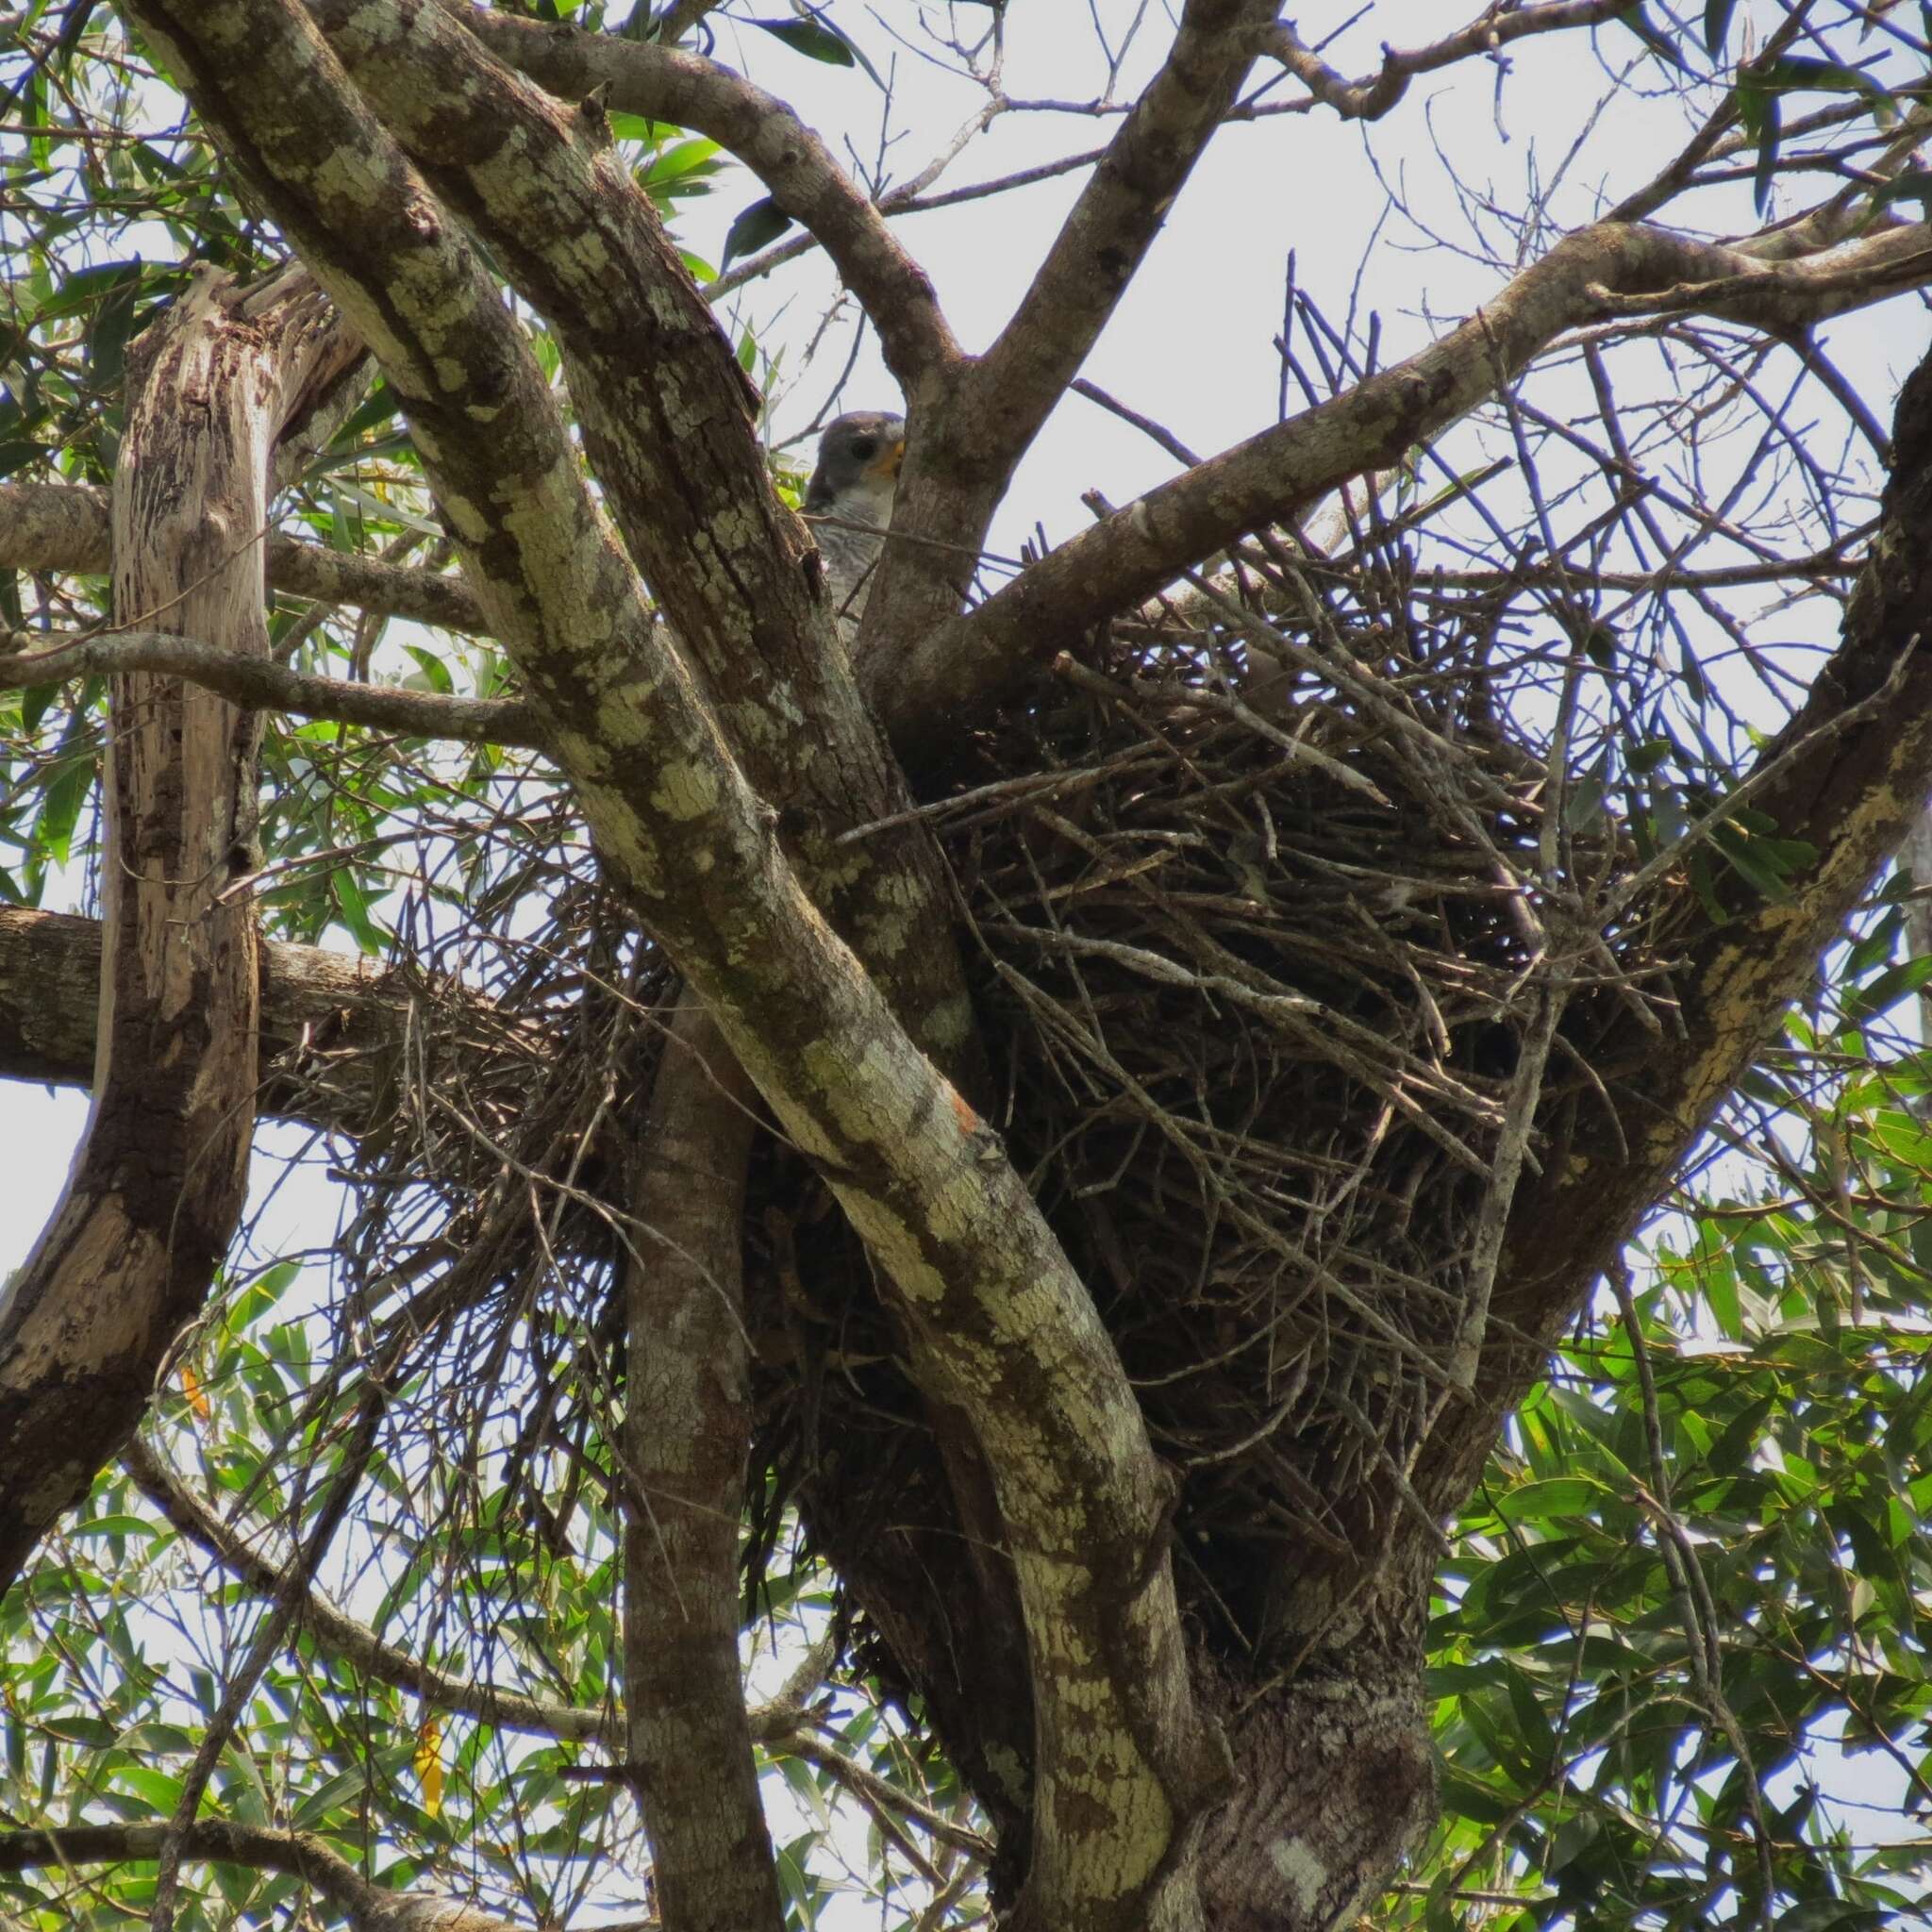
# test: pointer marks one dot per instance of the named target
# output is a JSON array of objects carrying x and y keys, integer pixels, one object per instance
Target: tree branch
[
  {"x": 667, "y": 423},
  {"x": 966, "y": 665},
  {"x": 353, "y": 1642},
  {"x": 1851, "y": 789},
  {"x": 64, "y": 526},
  {"x": 260, "y": 683},
  {"x": 999, "y": 1324},
  {"x": 1489, "y": 33},
  {"x": 687, "y": 1430},
  {"x": 968, "y": 433},
  {"x": 367, "y": 1907},
  {"x": 640, "y": 77},
  {"x": 157, "y": 1187}
]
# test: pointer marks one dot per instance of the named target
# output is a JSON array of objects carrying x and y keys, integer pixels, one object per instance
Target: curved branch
[
  {"x": 668, "y": 423},
  {"x": 368, "y": 1906},
  {"x": 965, "y": 664},
  {"x": 1489, "y": 32},
  {"x": 259, "y": 684},
  {"x": 665, "y": 84},
  {"x": 968, "y": 434},
  {"x": 355, "y": 1642},
  {"x": 157, "y": 1187},
  {"x": 64, "y": 526},
  {"x": 999, "y": 1324}
]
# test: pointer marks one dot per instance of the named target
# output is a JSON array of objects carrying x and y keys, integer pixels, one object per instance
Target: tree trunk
[{"x": 159, "y": 1184}]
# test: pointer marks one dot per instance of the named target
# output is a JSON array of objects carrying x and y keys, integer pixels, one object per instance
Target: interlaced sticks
[{"x": 1287, "y": 943}]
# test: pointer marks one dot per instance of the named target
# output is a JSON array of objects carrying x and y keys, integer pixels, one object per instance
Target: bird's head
[{"x": 859, "y": 467}]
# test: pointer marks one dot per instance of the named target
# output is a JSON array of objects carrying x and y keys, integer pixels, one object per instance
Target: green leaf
[
  {"x": 820, "y": 40},
  {"x": 1559, "y": 1496},
  {"x": 1717, "y": 25},
  {"x": 1763, "y": 173},
  {"x": 760, "y": 224},
  {"x": 1653, "y": 36},
  {"x": 352, "y": 906}
]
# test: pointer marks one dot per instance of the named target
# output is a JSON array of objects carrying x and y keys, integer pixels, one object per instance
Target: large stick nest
[{"x": 1254, "y": 938}]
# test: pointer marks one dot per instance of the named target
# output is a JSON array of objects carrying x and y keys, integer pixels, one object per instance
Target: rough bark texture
[
  {"x": 687, "y": 1426},
  {"x": 999, "y": 1324},
  {"x": 332, "y": 1020},
  {"x": 155, "y": 1194},
  {"x": 364, "y": 1906},
  {"x": 68, "y": 528},
  {"x": 667, "y": 419}
]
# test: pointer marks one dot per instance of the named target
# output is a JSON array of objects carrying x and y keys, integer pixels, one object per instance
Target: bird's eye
[{"x": 864, "y": 446}]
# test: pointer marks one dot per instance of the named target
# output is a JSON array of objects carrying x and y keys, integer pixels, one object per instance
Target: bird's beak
[{"x": 888, "y": 464}]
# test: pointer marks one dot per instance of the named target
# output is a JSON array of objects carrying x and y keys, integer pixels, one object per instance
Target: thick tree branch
[
  {"x": 968, "y": 663},
  {"x": 262, "y": 685},
  {"x": 1848, "y": 775},
  {"x": 806, "y": 180},
  {"x": 687, "y": 1430},
  {"x": 367, "y": 1907},
  {"x": 1110, "y": 228},
  {"x": 667, "y": 422},
  {"x": 968, "y": 432},
  {"x": 330, "y": 1022},
  {"x": 64, "y": 526},
  {"x": 159, "y": 1184},
  {"x": 998, "y": 1322}
]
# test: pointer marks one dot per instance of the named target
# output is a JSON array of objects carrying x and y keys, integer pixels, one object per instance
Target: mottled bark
[
  {"x": 66, "y": 526},
  {"x": 156, "y": 1191},
  {"x": 999, "y": 1324},
  {"x": 687, "y": 1429},
  {"x": 337, "y": 1018},
  {"x": 668, "y": 421}
]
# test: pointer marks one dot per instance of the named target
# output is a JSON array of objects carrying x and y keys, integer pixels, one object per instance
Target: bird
[{"x": 857, "y": 472}]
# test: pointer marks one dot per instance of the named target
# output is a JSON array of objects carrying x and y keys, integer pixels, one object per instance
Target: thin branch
[
  {"x": 64, "y": 526},
  {"x": 367, "y": 1907},
  {"x": 1371, "y": 97},
  {"x": 355, "y": 1642},
  {"x": 965, "y": 663},
  {"x": 261, "y": 684}
]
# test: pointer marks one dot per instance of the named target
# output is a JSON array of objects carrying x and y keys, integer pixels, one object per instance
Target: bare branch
[
  {"x": 1489, "y": 33},
  {"x": 63, "y": 527},
  {"x": 355, "y": 1642},
  {"x": 965, "y": 663},
  {"x": 330, "y": 1021},
  {"x": 687, "y": 1430},
  {"x": 262, "y": 685},
  {"x": 367, "y": 1907},
  {"x": 966, "y": 438}
]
